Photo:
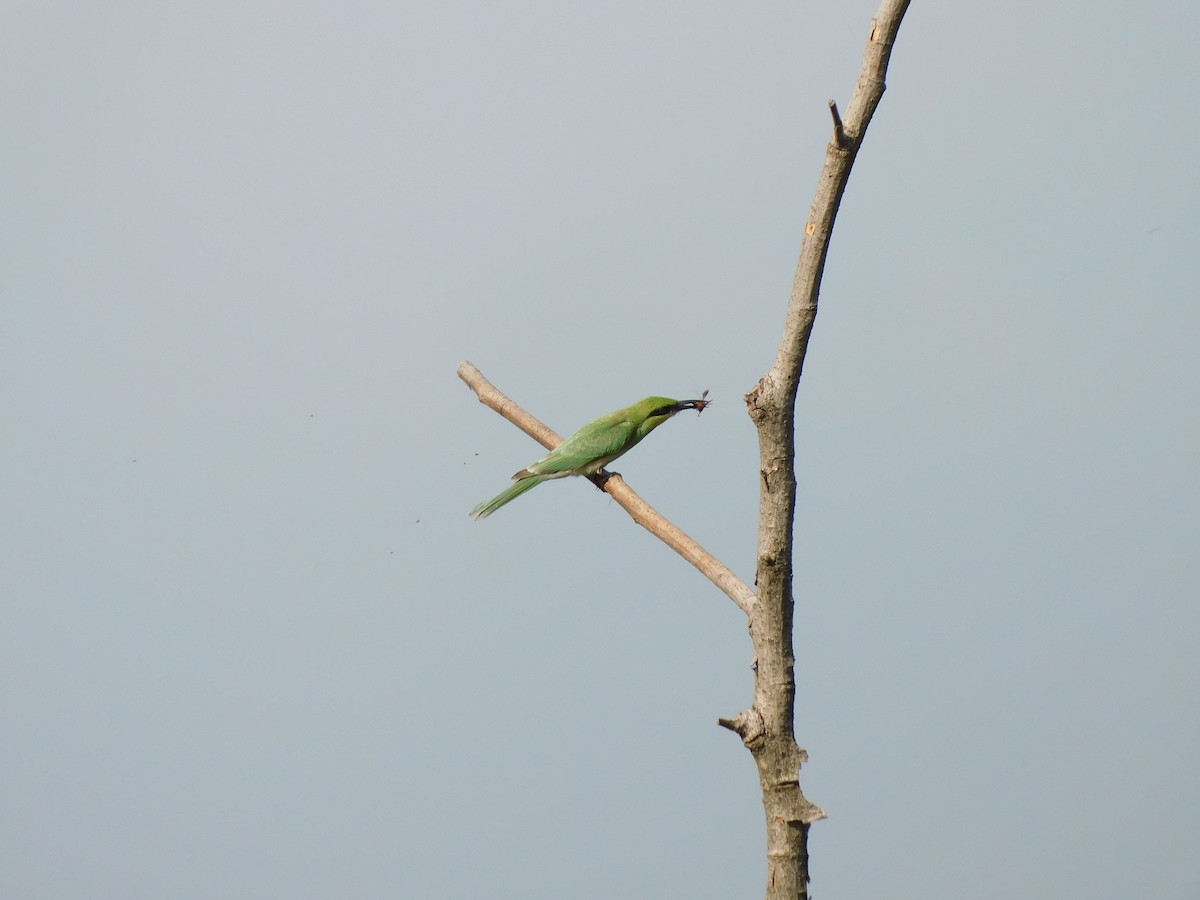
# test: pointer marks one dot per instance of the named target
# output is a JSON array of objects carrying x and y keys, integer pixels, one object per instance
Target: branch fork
[{"x": 767, "y": 728}]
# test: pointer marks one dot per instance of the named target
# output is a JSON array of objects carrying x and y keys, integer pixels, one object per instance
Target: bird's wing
[{"x": 598, "y": 441}]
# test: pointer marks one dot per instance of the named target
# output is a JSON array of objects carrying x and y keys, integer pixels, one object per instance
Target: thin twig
[{"x": 839, "y": 130}]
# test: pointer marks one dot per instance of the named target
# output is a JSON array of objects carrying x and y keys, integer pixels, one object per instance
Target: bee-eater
[{"x": 593, "y": 446}]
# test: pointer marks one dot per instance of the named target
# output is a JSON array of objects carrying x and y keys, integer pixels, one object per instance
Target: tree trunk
[{"x": 767, "y": 728}]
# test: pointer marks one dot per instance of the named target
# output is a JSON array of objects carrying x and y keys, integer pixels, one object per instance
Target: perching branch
[{"x": 641, "y": 511}]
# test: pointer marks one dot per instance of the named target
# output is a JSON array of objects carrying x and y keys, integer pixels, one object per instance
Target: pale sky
[{"x": 252, "y": 645}]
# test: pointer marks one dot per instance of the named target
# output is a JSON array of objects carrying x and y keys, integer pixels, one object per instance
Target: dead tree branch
[{"x": 768, "y": 728}]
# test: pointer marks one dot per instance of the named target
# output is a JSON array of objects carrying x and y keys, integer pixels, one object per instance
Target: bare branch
[
  {"x": 772, "y": 408},
  {"x": 641, "y": 512},
  {"x": 781, "y": 381},
  {"x": 675, "y": 538},
  {"x": 767, "y": 728},
  {"x": 490, "y": 397}
]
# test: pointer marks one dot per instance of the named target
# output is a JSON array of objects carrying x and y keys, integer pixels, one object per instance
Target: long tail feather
[{"x": 512, "y": 492}]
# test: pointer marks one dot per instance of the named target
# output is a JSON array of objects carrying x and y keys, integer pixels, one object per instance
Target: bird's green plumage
[
  {"x": 512, "y": 492},
  {"x": 592, "y": 447}
]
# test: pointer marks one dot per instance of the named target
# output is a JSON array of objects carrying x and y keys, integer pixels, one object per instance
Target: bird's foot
[{"x": 601, "y": 478}]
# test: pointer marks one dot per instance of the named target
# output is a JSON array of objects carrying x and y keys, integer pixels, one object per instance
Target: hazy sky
[{"x": 253, "y": 647}]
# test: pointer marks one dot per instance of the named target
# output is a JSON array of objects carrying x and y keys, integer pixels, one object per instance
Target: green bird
[{"x": 593, "y": 446}]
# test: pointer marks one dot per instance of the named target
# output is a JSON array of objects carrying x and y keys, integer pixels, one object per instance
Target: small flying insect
[{"x": 703, "y": 403}]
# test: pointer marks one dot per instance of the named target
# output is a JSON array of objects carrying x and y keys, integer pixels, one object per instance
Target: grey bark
[{"x": 767, "y": 727}]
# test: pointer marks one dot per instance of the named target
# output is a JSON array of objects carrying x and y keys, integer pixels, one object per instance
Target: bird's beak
[{"x": 698, "y": 405}]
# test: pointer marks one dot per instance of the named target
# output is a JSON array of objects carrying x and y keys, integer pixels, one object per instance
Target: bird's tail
[{"x": 512, "y": 492}]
